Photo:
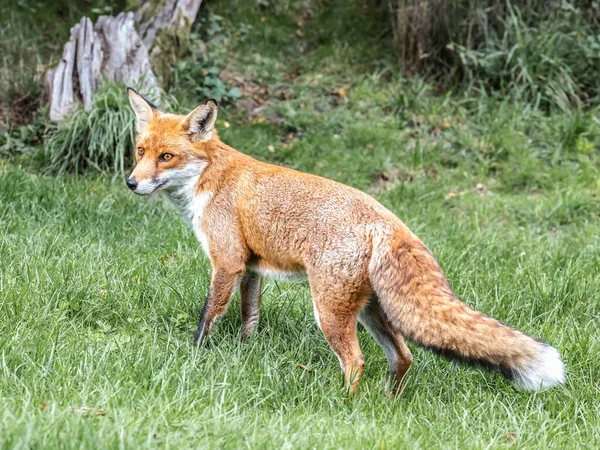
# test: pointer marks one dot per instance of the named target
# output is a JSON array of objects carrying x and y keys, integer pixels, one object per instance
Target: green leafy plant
[
  {"x": 23, "y": 139},
  {"x": 199, "y": 74}
]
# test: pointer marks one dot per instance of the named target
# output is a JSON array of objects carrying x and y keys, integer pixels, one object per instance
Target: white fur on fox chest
[
  {"x": 190, "y": 203},
  {"x": 197, "y": 207}
]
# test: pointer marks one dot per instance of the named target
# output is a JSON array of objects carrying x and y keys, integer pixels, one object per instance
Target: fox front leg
[{"x": 223, "y": 285}]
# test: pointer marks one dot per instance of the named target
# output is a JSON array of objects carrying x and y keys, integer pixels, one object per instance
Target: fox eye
[
  {"x": 166, "y": 157},
  {"x": 140, "y": 151}
]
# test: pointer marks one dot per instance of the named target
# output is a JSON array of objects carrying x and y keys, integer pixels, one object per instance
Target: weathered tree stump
[
  {"x": 114, "y": 51},
  {"x": 165, "y": 28}
]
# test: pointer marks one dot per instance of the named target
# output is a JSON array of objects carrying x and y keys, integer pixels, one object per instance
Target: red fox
[{"x": 363, "y": 264}]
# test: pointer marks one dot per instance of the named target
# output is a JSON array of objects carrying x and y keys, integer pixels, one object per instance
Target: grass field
[{"x": 100, "y": 290}]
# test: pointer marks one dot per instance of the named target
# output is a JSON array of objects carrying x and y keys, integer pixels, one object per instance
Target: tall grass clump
[
  {"x": 544, "y": 52},
  {"x": 421, "y": 32},
  {"x": 101, "y": 139}
]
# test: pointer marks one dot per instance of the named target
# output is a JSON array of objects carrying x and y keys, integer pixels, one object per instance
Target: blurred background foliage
[
  {"x": 503, "y": 70},
  {"x": 545, "y": 51}
]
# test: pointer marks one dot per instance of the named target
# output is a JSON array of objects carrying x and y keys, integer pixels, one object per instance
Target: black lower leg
[{"x": 203, "y": 326}]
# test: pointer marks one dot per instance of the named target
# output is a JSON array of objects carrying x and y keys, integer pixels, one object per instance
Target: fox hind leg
[
  {"x": 250, "y": 292},
  {"x": 336, "y": 311},
  {"x": 373, "y": 318}
]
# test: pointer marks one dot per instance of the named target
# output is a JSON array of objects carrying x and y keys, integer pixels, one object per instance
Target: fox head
[{"x": 171, "y": 150}]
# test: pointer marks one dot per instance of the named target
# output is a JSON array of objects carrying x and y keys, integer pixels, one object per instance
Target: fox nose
[{"x": 132, "y": 184}]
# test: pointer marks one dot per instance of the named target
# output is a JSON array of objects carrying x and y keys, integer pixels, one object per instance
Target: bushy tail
[{"x": 419, "y": 303}]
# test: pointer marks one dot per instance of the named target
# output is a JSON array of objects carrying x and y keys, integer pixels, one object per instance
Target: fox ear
[
  {"x": 200, "y": 122},
  {"x": 143, "y": 109}
]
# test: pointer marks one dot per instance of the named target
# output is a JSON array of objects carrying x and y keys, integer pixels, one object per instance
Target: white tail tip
[{"x": 543, "y": 372}]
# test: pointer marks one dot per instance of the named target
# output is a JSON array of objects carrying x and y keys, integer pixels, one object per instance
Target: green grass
[{"x": 100, "y": 290}]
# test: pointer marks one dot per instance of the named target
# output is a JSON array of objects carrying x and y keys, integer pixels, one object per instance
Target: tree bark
[
  {"x": 165, "y": 28},
  {"x": 114, "y": 51},
  {"x": 171, "y": 15}
]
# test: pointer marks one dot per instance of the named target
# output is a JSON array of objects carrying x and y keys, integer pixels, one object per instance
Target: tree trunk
[{"x": 113, "y": 50}]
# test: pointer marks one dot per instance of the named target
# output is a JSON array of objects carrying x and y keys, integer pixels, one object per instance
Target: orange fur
[{"x": 362, "y": 262}]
